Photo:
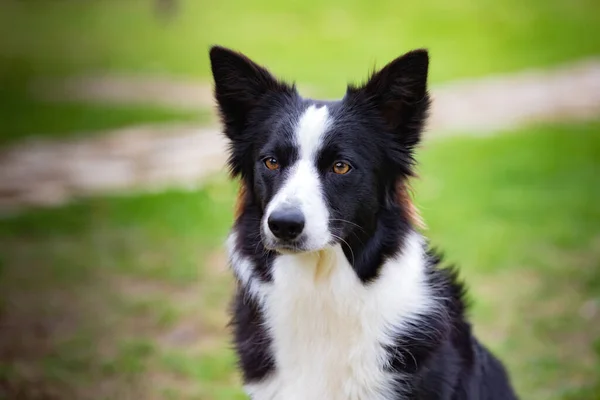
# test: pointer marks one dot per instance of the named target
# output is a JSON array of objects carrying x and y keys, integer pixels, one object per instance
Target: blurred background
[{"x": 115, "y": 204}]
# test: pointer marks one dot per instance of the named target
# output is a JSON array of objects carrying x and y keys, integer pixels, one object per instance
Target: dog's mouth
[
  {"x": 284, "y": 247},
  {"x": 297, "y": 246},
  {"x": 289, "y": 249}
]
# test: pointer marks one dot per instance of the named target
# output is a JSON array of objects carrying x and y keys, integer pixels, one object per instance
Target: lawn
[
  {"x": 23, "y": 117},
  {"x": 125, "y": 297},
  {"x": 321, "y": 43}
]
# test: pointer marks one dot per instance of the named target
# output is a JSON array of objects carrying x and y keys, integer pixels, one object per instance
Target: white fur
[
  {"x": 303, "y": 187},
  {"x": 328, "y": 327},
  {"x": 243, "y": 270}
]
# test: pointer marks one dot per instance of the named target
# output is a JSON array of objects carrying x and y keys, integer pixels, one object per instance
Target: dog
[{"x": 339, "y": 297}]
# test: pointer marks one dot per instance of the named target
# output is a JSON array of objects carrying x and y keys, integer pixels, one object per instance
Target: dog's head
[{"x": 320, "y": 173}]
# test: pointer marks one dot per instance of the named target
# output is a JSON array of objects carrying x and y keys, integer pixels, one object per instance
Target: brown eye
[
  {"x": 272, "y": 163},
  {"x": 341, "y": 168}
]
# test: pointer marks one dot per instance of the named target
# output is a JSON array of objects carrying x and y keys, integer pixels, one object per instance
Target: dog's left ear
[
  {"x": 399, "y": 91},
  {"x": 240, "y": 85}
]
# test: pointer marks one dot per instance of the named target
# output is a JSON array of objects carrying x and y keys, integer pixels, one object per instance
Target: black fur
[{"x": 377, "y": 126}]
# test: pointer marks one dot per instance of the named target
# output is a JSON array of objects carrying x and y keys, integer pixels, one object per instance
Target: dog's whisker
[
  {"x": 347, "y": 222},
  {"x": 347, "y": 244}
]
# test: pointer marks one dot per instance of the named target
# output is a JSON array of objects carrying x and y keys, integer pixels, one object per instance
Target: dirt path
[
  {"x": 151, "y": 157},
  {"x": 126, "y": 89}
]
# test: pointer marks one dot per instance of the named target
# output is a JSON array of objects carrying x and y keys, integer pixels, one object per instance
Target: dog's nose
[{"x": 286, "y": 224}]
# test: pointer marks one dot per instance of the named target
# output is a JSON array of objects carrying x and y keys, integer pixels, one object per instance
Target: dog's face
[
  {"x": 315, "y": 177},
  {"x": 320, "y": 172}
]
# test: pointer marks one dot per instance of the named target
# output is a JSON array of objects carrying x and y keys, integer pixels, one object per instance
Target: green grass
[
  {"x": 520, "y": 215},
  {"x": 132, "y": 291},
  {"x": 322, "y": 43},
  {"x": 26, "y": 118},
  {"x": 112, "y": 281}
]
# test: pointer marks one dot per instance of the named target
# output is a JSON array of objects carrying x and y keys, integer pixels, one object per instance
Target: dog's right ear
[
  {"x": 399, "y": 91},
  {"x": 240, "y": 84}
]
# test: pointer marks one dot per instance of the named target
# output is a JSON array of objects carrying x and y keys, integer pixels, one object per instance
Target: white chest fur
[{"x": 329, "y": 329}]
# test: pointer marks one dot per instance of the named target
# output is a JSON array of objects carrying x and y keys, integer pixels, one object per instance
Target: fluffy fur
[{"x": 338, "y": 295}]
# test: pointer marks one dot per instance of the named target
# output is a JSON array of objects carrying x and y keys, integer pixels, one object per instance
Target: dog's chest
[{"x": 328, "y": 333}]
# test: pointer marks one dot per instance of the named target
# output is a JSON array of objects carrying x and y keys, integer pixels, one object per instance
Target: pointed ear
[
  {"x": 399, "y": 91},
  {"x": 240, "y": 84}
]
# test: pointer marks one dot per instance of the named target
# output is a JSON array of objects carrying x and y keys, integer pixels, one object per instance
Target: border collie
[{"x": 338, "y": 295}]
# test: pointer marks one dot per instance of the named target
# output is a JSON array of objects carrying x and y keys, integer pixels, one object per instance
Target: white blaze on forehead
[
  {"x": 302, "y": 188},
  {"x": 310, "y": 131}
]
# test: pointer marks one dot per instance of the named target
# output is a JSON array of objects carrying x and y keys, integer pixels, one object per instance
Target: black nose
[{"x": 286, "y": 224}]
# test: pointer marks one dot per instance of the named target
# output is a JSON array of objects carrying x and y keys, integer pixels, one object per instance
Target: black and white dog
[{"x": 338, "y": 296}]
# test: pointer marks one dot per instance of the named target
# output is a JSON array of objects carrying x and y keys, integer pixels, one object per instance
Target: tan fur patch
[
  {"x": 324, "y": 266},
  {"x": 405, "y": 200},
  {"x": 240, "y": 201}
]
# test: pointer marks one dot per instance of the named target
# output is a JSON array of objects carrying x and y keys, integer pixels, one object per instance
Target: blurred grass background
[
  {"x": 467, "y": 38},
  {"x": 125, "y": 296}
]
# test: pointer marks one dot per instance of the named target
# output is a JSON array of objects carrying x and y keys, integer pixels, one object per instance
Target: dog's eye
[
  {"x": 271, "y": 163},
  {"x": 341, "y": 168}
]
